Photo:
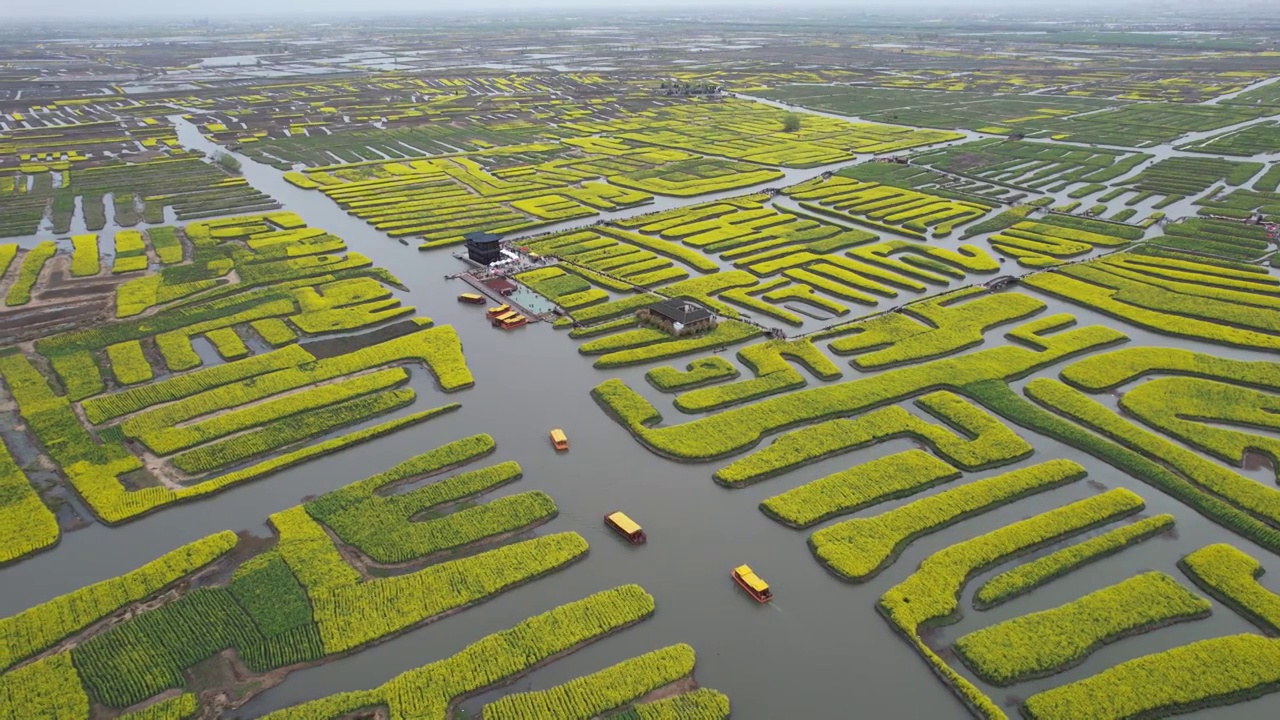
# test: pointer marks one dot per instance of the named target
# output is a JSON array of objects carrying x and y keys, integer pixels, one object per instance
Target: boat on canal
[
  {"x": 626, "y": 527},
  {"x": 752, "y": 583},
  {"x": 559, "y": 439}
]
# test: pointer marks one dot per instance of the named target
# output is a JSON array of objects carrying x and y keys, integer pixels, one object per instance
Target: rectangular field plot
[
  {"x": 441, "y": 200},
  {"x": 1084, "y": 84},
  {"x": 756, "y": 257},
  {"x": 864, "y": 101},
  {"x": 1263, "y": 137},
  {"x": 885, "y": 207},
  {"x": 1229, "y": 239},
  {"x": 925, "y": 179},
  {"x": 933, "y": 108},
  {"x": 361, "y": 119},
  {"x": 140, "y": 191},
  {"x": 1070, "y": 117},
  {"x": 1267, "y": 96},
  {"x": 755, "y": 133},
  {"x": 728, "y": 128},
  {"x": 451, "y": 114},
  {"x": 696, "y": 177},
  {"x": 1243, "y": 204},
  {"x": 1144, "y": 125},
  {"x": 1179, "y": 177},
  {"x": 73, "y": 133},
  {"x": 1052, "y": 239},
  {"x": 1038, "y": 166},
  {"x": 1189, "y": 296}
]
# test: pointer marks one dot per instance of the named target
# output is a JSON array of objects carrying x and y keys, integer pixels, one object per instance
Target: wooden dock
[{"x": 497, "y": 298}]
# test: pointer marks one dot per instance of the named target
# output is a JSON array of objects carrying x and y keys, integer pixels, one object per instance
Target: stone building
[{"x": 678, "y": 316}]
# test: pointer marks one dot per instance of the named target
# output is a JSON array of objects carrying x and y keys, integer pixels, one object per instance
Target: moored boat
[
  {"x": 509, "y": 320},
  {"x": 502, "y": 309},
  {"x": 471, "y": 299},
  {"x": 755, "y": 587},
  {"x": 626, "y": 527}
]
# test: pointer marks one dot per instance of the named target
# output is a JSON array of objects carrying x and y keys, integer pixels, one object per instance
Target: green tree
[
  {"x": 791, "y": 123},
  {"x": 227, "y": 161}
]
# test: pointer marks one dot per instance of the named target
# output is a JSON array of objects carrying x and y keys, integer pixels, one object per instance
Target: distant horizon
[{"x": 306, "y": 11}]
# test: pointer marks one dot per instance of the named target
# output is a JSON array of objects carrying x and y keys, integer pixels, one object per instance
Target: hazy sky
[
  {"x": 304, "y": 9},
  {"x": 74, "y": 8}
]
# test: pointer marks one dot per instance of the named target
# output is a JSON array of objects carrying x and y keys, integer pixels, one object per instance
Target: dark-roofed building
[
  {"x": 484, "y": 248},
  {"x": 678, "y": 316}
]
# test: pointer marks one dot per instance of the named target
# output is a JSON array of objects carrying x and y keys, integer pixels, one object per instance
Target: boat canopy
[
  {"x": 624, "y": 523},
  {"x": 557, "y": 435},
  {"x": 751, "y": 579}
]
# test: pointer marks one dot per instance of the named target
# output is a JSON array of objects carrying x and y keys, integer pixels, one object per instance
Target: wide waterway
[{"x": 819, "y": 650}]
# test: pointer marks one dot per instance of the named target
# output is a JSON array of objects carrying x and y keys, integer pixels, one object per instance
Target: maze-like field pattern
[
  {"x": 964, "y": 338},
  {"x": 1178, "y": 421}
]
